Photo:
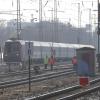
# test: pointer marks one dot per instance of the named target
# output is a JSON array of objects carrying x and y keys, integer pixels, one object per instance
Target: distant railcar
[
  {"x": 12, "y": 52},
  {"x": 15, "y": 51}
]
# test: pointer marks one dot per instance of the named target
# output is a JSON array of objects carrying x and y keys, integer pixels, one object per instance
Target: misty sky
[{"x": 67, "y": 10}]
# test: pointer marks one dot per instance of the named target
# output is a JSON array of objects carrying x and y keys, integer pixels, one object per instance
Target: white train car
[{"x": 16, "y": 51}]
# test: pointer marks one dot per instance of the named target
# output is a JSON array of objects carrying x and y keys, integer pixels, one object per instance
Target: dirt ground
[{"x": 37, "y": 88}]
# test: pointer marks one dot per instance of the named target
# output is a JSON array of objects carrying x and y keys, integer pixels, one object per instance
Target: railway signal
[
  {"x": 29, "y": 49},
  {"x": 29, "y": 53}
]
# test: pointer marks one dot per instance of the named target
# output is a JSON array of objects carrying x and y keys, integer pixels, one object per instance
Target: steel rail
[
  {"x": 37, "y": 76},
  {"x": 26, "y": 72},
  {"x": 81, "y": 94},
  {"x": 34, "y": 79},
  {"x": 60, "y": 92}
]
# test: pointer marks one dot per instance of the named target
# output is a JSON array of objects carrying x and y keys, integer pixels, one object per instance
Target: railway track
[
  {"x": 19, "y": 73},
  {"x": 37, "y": 78},
  {"x": 81, "y": 94},
  {"x": 69, "y": 93}
]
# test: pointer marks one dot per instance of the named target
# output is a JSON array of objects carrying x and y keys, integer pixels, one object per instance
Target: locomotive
[{"x": 16, "y": 52}]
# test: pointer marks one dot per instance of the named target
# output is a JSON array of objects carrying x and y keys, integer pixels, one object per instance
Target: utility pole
[
  {"x": 79, "y": 15},
  {"x": 52, "y": 28},
  {"x": 79, "y": 19},
  {"x": 55, "y": 10},
  {"x": 79, "y": 22},
  {"x": 89, "y": 27},
  {"x": 90, "y": 34},
  {"x": 55, "y": 21},
  {"x": 40, "y": 26},
  {"x": 18, "y": 20},
  {"x": 40, "y": 21},
  {"x": 98, "y": 32}
]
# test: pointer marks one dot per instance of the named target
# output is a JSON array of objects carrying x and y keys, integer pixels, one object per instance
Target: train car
[
  {"x": 16, "y": 51},
  {"x": 12, "y": 52}
]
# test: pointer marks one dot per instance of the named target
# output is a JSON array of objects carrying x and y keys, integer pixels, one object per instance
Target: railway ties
[
  {"x": 46, "y": 83},
  {"x": 71, "y": 93},
  {"x": 23, "y": 74},
  {"x": 88, "y": 94},
  {"x": 35, "y": 78},
  {"x": 42, "y": 80}
]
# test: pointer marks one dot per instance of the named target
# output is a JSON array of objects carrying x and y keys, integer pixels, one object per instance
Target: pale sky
[{"x": 69, "y": 10}]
